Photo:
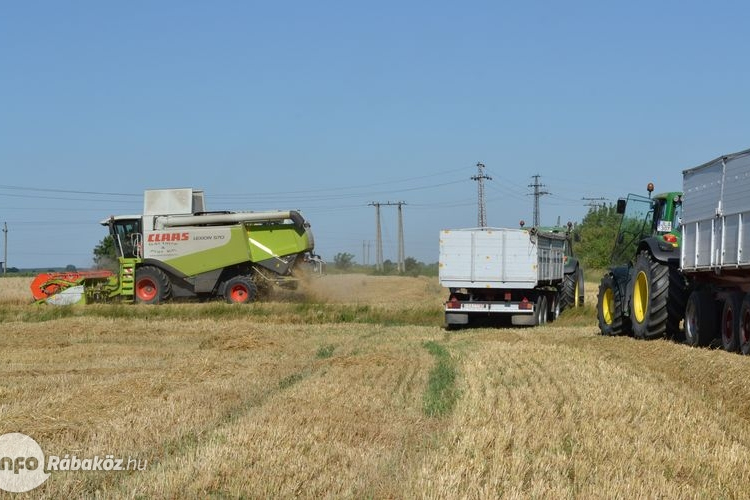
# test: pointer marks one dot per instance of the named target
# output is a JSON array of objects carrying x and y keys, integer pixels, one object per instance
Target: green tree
[
  {"x": 343, "y": 260},
  {"x": 104, "y": 254},
  {"x": 597, "y": 233}
]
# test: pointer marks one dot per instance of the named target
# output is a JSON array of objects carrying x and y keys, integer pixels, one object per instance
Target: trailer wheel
[
  {"x": 744, "y": 326},
  {"x": 648, "y": 297},
  {"x": 730, "y": 323},
  {"x": 609, "y": 307},
  {"x": 542, "y": 310},
  {"x": 152, "y": 285},
  {"x": 699, "y": 318},
  {"x": 240, "y": 290},
  {"x": 554, "y": 310}
]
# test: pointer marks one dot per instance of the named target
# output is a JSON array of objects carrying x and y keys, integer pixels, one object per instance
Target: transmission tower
[
  {"x": 481, "y": 212},
  {"x": 379, "y": 236},
  {"x": 538, "y": 193}
]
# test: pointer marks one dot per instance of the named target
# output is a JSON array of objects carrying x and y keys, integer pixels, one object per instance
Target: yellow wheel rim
[
  {"x": 608, "y": 306},
  {"x": 577, "y": 293},
  {"x": 640, "y": 297}
]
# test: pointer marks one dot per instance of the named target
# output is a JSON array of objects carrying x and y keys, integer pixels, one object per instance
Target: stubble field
[{"x": 349, "y": 387}]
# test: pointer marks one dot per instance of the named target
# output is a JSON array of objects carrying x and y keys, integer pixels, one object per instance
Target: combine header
[{"x": 177, "y": 249}]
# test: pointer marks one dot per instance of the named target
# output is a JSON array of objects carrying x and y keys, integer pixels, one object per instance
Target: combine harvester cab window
[{"x": 127, "y": 235}]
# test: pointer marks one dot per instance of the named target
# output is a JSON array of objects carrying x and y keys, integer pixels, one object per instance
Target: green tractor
[{"x": 643, "y": 293}]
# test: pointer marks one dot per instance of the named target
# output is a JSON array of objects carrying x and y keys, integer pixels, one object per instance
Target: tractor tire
[
  {"x": 152, "y": 285},
  {"x": 649, "y": 293},
  {"x": 571, "y": 294},
  {"x": 700, "y": 314},
  {"x": 730, "y": 323},
  {"x": 744, "y": 333},
  {"x": 240, "y": 290},
  {"x": 609, "y": 308}
]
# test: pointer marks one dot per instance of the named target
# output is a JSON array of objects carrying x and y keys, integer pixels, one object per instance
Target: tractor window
[
  {"x": 127, "y": 236},
  {"x": 636, "y": 224},
  {"x": 677, "y": 222}
]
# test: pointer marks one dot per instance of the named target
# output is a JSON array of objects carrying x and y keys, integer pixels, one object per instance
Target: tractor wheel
[
  {"x": 240, "y": 290},
  {"x": 700, "y": 313},
  {"x": 648, "y": 297},
  {"x": 730, "y": 323},
  {"x": 152, "y": 286},
  {"x": 571, "y": 294},
  {"x": 744, "y": 333},
  {"x": 609, "y": 307},
  {"x": 542, "y": 311}
]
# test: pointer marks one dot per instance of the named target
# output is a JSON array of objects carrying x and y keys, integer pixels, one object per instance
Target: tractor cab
[{"x": 655, "y": 220}]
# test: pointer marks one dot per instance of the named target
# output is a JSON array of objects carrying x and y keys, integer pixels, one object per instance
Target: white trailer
[
  {"x": 492, "y": 273},
  {"x": 715, "y": 253}
]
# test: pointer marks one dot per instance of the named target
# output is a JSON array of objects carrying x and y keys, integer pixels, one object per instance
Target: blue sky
[{"x": 328, "y": 106}]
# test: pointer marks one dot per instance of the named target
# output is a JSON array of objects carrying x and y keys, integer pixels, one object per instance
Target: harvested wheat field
[{"x": 355, "y": 390}]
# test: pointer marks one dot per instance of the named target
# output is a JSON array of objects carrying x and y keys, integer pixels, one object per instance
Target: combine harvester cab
[{"x": 178, "y": 249}]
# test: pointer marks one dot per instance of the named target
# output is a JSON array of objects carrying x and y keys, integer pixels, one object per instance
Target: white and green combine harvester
[{"x": 178, "y": 249}]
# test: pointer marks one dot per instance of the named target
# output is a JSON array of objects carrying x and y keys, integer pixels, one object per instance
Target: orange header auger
[{"x": 47, "y": 284}]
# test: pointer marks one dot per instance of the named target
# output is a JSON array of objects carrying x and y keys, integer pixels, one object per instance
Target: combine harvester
[{"x": 177, "y": 249}]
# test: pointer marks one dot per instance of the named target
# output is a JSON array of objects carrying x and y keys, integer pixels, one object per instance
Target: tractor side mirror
[{"x": 621, "y": 204}]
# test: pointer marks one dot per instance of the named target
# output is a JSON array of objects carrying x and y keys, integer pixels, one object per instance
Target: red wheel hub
[
  {"x": 238, "y": 293},
  {"x": 146, "y": 289}
]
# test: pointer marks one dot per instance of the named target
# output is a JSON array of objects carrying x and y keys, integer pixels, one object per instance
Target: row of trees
[{"x": 344, "y": 261}]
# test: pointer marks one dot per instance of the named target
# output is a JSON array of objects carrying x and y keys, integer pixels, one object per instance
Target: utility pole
[
  {"x": 379, "y": 237},
  {"x": 5, "y": 237},
  {"x": 366, "y": 252},
  {"x": 401, "y": 263},
  {"x": 538, "y": 193},
  {"x": 480, "y": 177}
]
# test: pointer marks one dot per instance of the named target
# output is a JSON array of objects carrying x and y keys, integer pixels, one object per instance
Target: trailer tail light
[
  {"x": 453, "y": 303},
  {"x": 525, "y": 305}
]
